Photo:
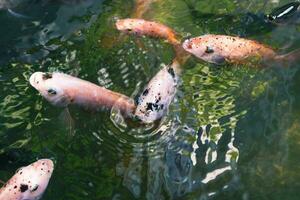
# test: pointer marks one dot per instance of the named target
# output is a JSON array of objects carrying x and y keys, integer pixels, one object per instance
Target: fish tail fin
[
  {"x": 291, "y": 57},
  {"x": 172, "y": 38},
  {"x": 181, "y": 55},
  {"x": 13, "y": 13}
]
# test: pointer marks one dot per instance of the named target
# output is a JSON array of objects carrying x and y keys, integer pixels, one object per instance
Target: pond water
[{"x": 232, "y": 132}]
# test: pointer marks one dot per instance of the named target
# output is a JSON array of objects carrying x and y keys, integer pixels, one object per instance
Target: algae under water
[{"x": 232, "y": 132}]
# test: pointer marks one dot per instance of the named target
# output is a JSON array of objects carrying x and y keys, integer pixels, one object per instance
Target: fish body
[
  {"x": 29, "y": 183},
  {"x": 156, "y": 97},
  {"x": 63, "y": 90},
  {"x": 219, "y": 49},
  {"x": 142, "y": 27}
]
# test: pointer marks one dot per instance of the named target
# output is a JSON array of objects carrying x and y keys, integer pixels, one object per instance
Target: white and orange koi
[
  {"x": 149, "y": 28},
  {"x": 29, "y": 183},
  {"x": 219, "y": 49},
  {"x": 63, "y": 90}
]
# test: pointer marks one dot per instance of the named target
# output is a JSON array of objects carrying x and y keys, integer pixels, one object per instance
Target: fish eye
[
  {"x": 209, "y": 50},
  {"x": 19, "y": 169},
  {"x": 34, "y": 188},
  {"x": 51, "y": 91}
]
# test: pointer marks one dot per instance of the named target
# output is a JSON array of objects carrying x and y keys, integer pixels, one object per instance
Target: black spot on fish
[
  {"x": 209, "y": 50},
  {"x": 158, "y": 99},
  {"x": 149, "y": 106},
  {"x": 171, "y": 71},
  {"x": 23, "y": 187},
  {"x": 161, "y": 106},
  {"x": 47, "y": 76},
  {"x": 154, "y": 107},
  {"x": 146, "y": 91}
]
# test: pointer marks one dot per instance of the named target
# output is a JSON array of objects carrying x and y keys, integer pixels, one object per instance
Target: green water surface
[{"x": 232, "y": 132}]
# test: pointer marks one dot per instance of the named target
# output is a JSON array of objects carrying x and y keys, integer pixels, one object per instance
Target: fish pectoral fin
[
  {"x": 67, "y": 120},
  {"x": 218, "y": 59}
]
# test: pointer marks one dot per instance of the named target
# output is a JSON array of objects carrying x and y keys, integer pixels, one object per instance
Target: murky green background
[{"x": 232, "y": 132}]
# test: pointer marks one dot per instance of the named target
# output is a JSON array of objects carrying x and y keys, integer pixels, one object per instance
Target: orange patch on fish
[{"x": 149, "y": 28}]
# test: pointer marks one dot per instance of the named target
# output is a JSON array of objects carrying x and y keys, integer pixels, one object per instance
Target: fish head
[
  {"x": 31, "y": 181},
  {"x": 50, "y": 87},
  {"x": 127, "y": 25},
  {"x": 203, "y": 49},
  {"x": 194, "y": 46}
]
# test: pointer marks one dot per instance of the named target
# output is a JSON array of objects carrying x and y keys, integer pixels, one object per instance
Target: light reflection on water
[{"x": 228, "y": 129}]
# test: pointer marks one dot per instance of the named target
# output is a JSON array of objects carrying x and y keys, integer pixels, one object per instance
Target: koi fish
[
  {"x": 153, "y": 29},
  {"x": 219, "y": 49},
  {"x": 29, "y": 183},
  {"x": 62, "y": 90},
  {"x": 149, "y": 28},
  {"x": 155, "y": 99}
]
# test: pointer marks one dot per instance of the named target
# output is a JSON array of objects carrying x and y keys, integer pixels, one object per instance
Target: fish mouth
[
  {"x": 38, "y": 77},
  {"x": 119, "y": 24},
  {"x": 187, "y": 45},
  {"x": 35, "y": 79},
  {"x": 47, "y": 163}
]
